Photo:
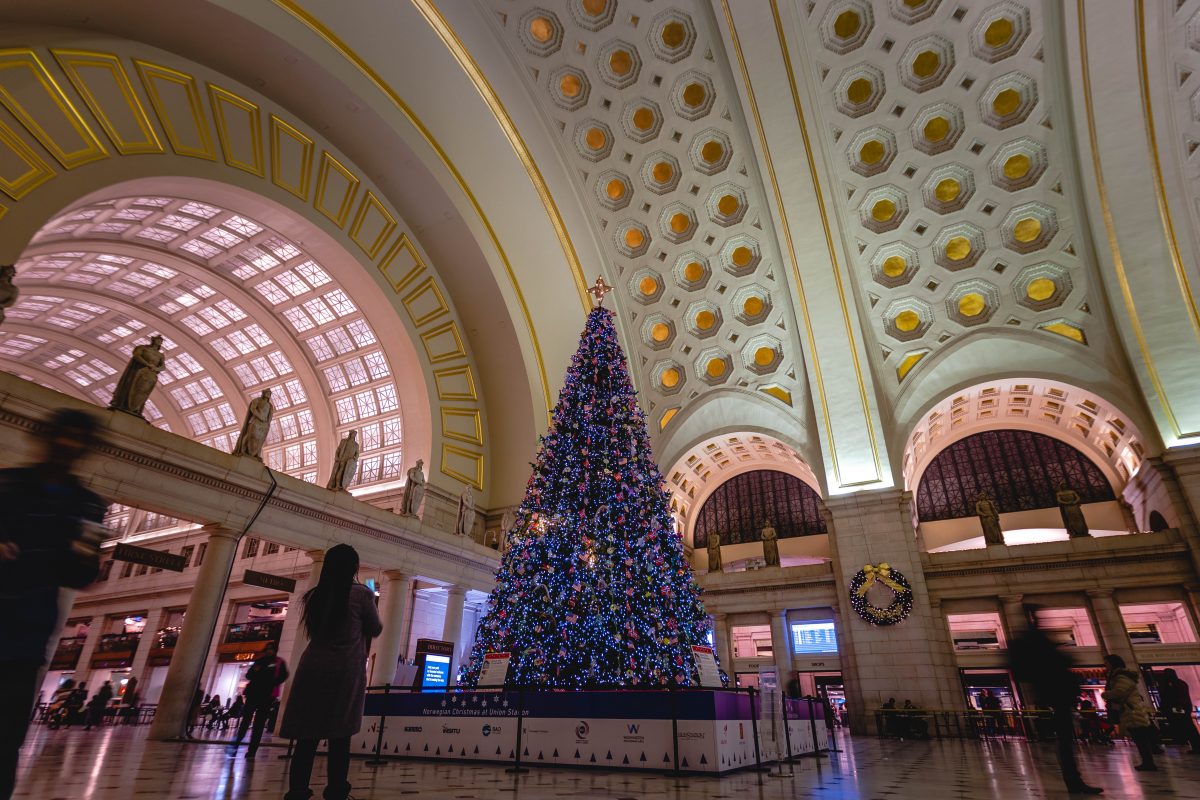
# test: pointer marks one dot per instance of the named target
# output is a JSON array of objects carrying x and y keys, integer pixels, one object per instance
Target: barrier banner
[{"x": 630, "y": 730}]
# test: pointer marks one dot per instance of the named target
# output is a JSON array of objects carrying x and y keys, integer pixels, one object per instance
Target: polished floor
[{"x": 121, "y": 763}]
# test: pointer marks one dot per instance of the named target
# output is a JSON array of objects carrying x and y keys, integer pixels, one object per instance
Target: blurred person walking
[
  {"x": 1177, "y": 705},
  {"x": 1038, "y": 663},
  {"x": 330, "y": 684},
  {"x": 265, "y": 676},
  {"x": 50, "y": 536}
]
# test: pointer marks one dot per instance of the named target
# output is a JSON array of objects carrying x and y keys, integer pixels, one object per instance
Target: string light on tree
[{"x": 594, "y": 589}]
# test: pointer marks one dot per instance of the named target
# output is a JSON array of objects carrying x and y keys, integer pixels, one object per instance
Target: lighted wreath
[{"x": 901, "y": 603}]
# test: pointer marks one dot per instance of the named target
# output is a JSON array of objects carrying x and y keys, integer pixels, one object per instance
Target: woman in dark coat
[{"x": 331, "y": 679}]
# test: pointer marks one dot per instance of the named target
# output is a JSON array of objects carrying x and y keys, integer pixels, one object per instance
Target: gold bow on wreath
[{"x": 881, "y": 573}]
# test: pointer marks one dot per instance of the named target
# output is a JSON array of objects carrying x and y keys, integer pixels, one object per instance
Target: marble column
[
  {"x": 396, "y": 599},
  {"x": 299, "y": 636},
  {"x": 1114, "y": 637},
  {"x": 781, "y": 645},
  {"x": 1016, "y": 623},
  {"x": 1012, "y": 607},
  {"x": 721, "y": 642},
  {"x": 187, "y": 662},
  {"x": 456, "y": 596},
  {"x": 154, "y": 621},
  {"x": 83, "y": 667}
]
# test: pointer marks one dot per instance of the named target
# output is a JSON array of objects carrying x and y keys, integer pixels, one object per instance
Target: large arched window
[
  {"x": 740, "y": 507},
  {"x": 1018, "y": 470},
  {"x": 242, "y": 308}
]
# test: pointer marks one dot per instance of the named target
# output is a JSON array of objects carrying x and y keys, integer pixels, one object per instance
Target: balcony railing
[
  {"x": 118, "y": 642},
  {"x": 240, "y": 632},
  {"x": 66, "y": 655}
]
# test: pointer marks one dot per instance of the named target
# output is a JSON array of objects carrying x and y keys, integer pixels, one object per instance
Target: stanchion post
[
  {"x": 378, "y": 759},
  {"x": 516, "y": 768},
  {"x": 787, "y": 737},
  {"x": 812, "y": 721},
  {"x": 674, "y": 731},
  {"x": 758, "y": 767}
]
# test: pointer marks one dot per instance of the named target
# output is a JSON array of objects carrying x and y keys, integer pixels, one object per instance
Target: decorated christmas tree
[{"x": 594, "y": 589}]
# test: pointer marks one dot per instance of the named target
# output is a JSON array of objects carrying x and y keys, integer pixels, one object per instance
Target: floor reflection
[{"x": 118, "y": 763}]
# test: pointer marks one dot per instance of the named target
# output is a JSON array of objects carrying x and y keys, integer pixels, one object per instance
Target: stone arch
[
  {"x": 1080, "y": 418},
  {"x": 136, "y": 118}
]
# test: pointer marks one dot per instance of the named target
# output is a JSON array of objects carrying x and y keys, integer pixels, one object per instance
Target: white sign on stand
[
  {"x": 494, "y": 670},
  {"x": 706, "y": 663}
]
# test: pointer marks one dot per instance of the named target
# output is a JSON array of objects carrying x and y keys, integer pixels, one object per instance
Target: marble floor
[{"x": 121, "y": 763}]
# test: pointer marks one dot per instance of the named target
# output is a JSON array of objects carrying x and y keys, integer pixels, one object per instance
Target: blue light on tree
[{"x": 594, "y": 589}]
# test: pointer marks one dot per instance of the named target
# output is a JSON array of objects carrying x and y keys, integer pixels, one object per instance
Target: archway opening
[
  {"x": 1006, "y": 450},
  {"x": 758, "y": 514},
  {"x": 243, "y": 302}
]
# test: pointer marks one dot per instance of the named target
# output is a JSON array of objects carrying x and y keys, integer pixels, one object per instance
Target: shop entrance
[{"x": 980, "y": 685}]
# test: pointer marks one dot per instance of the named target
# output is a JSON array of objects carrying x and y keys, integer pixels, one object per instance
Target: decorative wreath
[{"x": 863, "y": 581}]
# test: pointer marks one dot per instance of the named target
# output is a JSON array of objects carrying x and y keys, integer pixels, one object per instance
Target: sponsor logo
[
  {"x": 582, "y": 730},
  {"x": 633, "y": 728},
  {"x": 412, "y": 728},
  {"x": 741, "y": 731},
  {"x": 633, "y": 737},
  {"x": 448, "y": 730},
  {"x": 691, "y": 734},
  {"x": 488, "y": 730}
]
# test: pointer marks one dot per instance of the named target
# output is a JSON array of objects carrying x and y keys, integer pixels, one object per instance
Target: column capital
[
  {"x": 456, "y": 591},
  {"x": 1099, "y": 593},
  {"x": 778, "y": 612},
  {"x": 221, "y": 532},
  {"x": 720, "y": 616},
  {"x": 396, "y": 575},
  {"x": 317, "y": 556},
  {"x": 1012, "y": 599}
]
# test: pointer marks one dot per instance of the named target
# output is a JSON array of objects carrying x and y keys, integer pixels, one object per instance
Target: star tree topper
[{"x": 599, "y": 290}]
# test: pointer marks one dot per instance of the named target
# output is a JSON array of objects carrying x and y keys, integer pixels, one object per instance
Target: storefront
[
  {"x": 256, "y": 625},
  {"x": 979, "y": 684}
]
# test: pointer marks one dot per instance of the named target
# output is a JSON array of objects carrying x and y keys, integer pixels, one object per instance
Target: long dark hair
[{"x": 327, "y": 604}]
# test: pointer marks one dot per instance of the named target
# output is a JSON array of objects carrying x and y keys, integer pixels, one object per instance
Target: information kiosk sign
[{"x": 433, "y": 664}]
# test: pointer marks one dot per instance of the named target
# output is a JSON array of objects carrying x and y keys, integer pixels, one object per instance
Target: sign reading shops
[
  {"x": 151, "y": 558},
  {"x": 268, "y": 581}
]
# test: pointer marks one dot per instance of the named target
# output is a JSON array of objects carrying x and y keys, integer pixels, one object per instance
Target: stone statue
[
  {"x": 8, "y": 292},
  {"x": 714, "y": 552},
  {"x": 414, "y": 491},
  {"x": 1072, "y": 515},
  {"x": 466, "y": 512},
  {"x": 770, "y": 542},
  {"x": 507, "y": 522},
  {"x": 345, "y": 463},
  {"x": 139, "y": 378},
  {"x": 256, "y": 426},
  {"x": 989, "y": 518}
]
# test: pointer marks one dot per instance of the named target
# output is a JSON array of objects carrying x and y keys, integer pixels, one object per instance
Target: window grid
[{"x": 739, "y": 508}]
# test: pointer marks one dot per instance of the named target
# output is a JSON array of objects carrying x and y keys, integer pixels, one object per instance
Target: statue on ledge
[
  {"x": 466, "y": 512},
  {"x": 256, "y": 426},
  {"x": 770, "y": 541},
  {"x": 345, "y": 463},
  {"x": 989, "y": 518},
  {"x": 139, "y": 378},
  {"x": 8, "y": 292},
  {"x": 714, "y": 552},
  {"x": 414, "y": 491},
  {"x": 1072, "y": 514}
]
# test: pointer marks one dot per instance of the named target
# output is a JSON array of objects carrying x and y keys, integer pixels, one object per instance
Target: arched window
[
  {"x": 740, "y": 507},
  {"x": 1017, "y": 470}
]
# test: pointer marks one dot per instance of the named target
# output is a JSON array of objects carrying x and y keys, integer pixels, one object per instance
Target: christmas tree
[{"x": 594, "y": 589}]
